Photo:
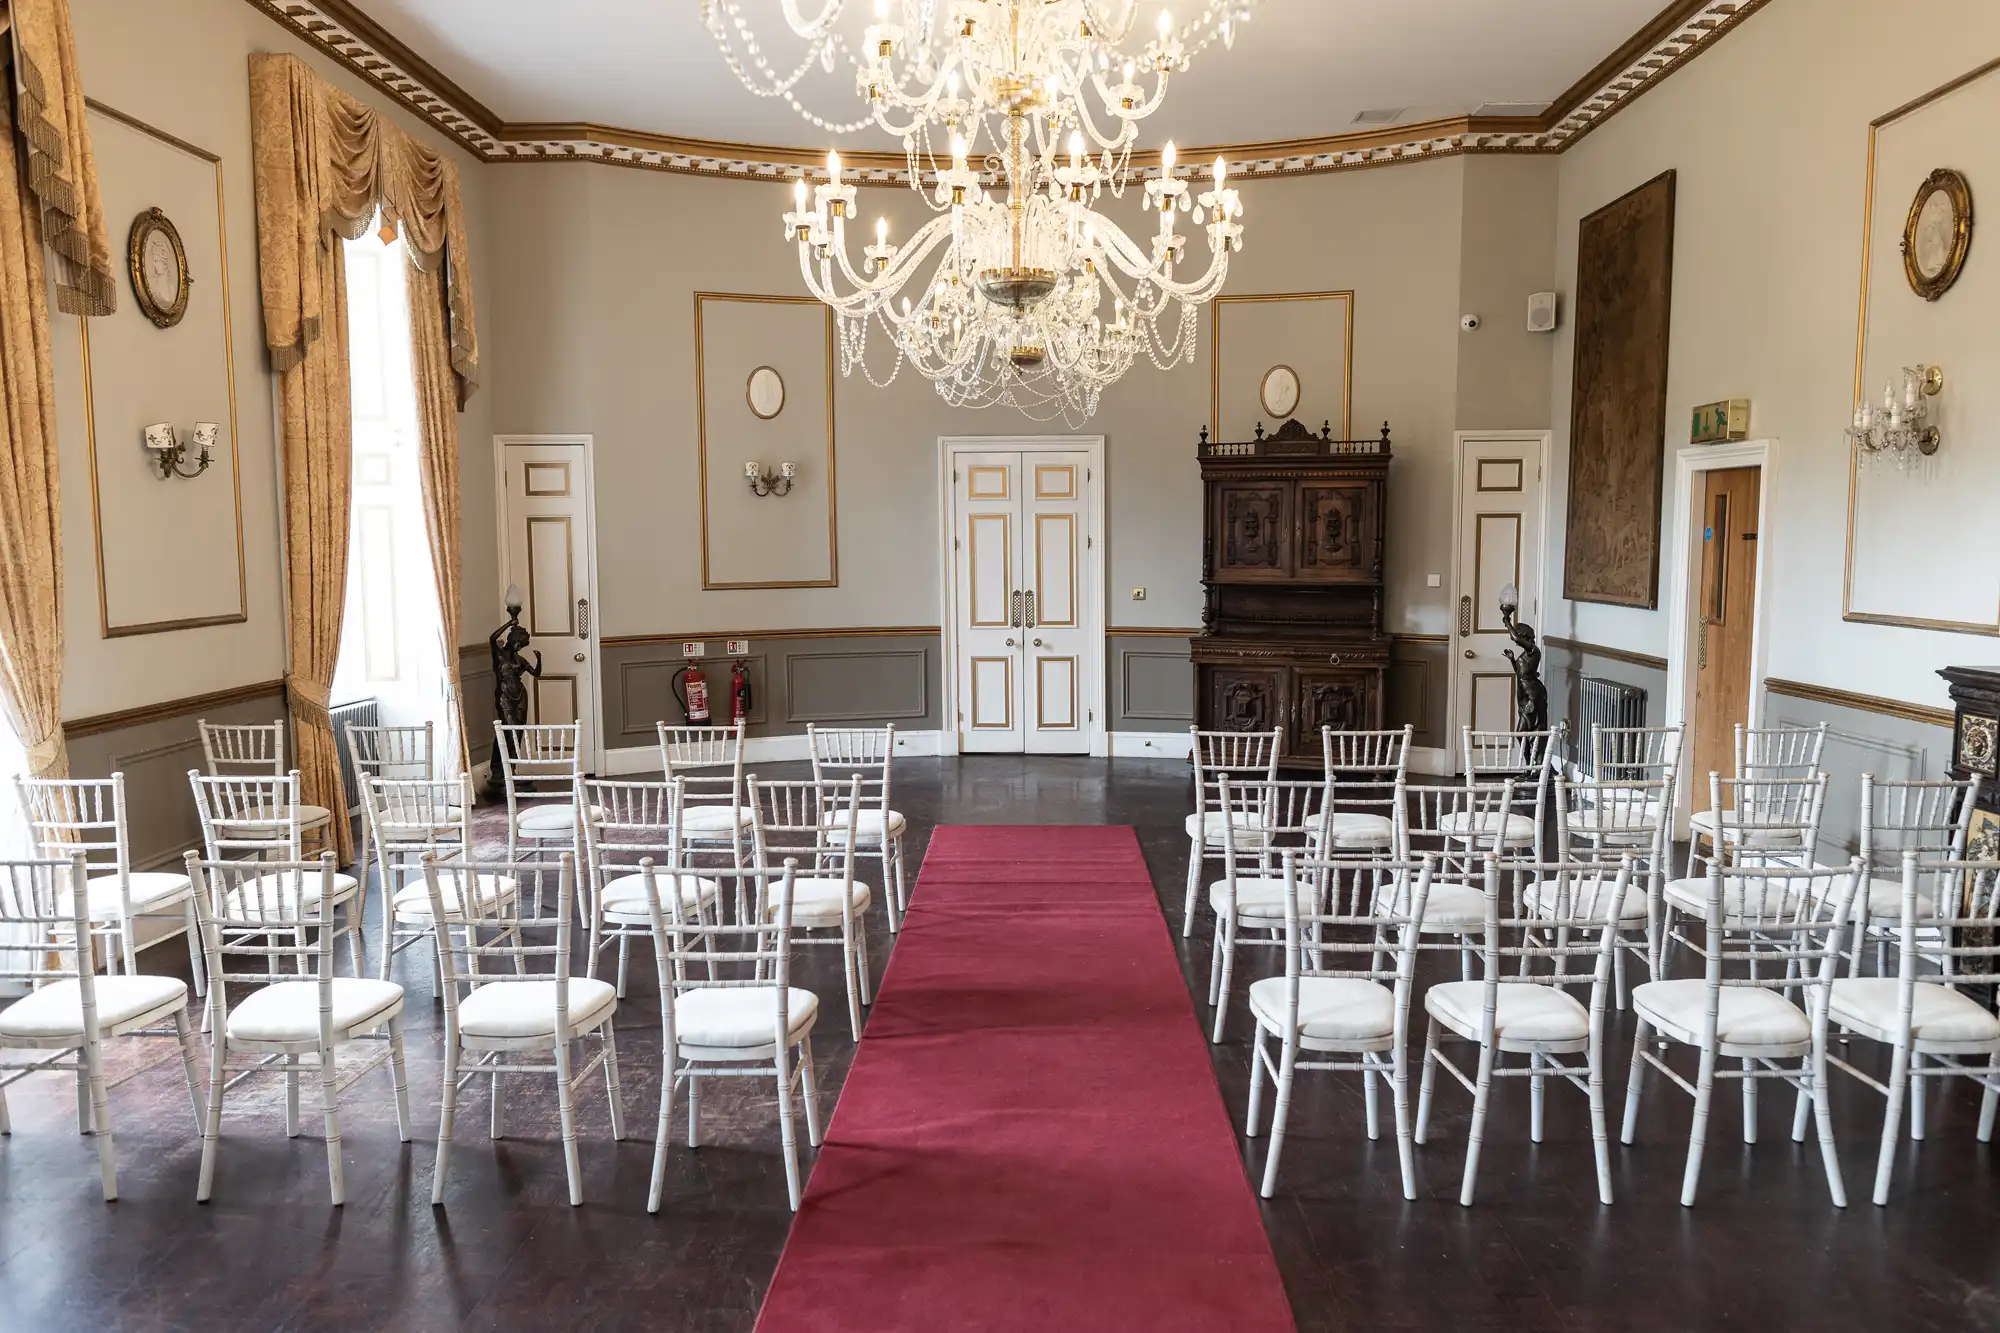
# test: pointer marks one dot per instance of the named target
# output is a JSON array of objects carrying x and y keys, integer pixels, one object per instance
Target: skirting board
[
  {"x": 1145, "y": 745},
  {"x": 760, "y": 749}
]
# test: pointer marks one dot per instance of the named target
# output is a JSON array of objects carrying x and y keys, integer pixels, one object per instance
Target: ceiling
[{"x": 1301, "y": 68}]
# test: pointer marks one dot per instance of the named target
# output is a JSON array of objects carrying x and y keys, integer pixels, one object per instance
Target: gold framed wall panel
[
  {"x": 1346, "y": 430},
  {"x": 1847, "y": 611},
  {"x": 708, "y": 582},
  {"x": 106, "y": 629},
  {"x": 846, "y": 632}
]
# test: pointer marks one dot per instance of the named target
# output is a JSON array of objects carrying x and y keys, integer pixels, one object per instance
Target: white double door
[{"x": 1027, "y": 619}]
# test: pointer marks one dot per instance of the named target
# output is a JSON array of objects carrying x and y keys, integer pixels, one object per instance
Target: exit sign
[{"x": 1717, "y": 422}]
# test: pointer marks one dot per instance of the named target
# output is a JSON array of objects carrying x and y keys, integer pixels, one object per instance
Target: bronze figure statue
[
  {"x": 1531, "y": 696},
  {"x": 510, "y": 689}
]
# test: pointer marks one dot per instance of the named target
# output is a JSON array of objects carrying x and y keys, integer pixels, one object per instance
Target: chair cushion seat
[
  {"x": 56, "y": 1010},
  {"x": 1742, "y": 902},
  {"x": 1745, "y": 1015},
  {"x": 149, "y": 888},
  {"x": 309, "y": 816},
  {"x": 1623, "y": 824},
  {"x": 273, "y": 894},
  {"x": 1704, "y": 822},
  {"x": 527, "y": 1009},
  {"x": 1517, "y": 830},
  {"x": 709, "y": 820},
  {"x": 288, "y": 1011},
  {"x": 1873, "y": 1005},
  {"x": 1354, "y": 829},
  {"x": 1522, "y": 1011},
  {"x": 413, "y": 901},
  {"x": 741, "y": 1017},
  {"x": 816, "y": 902},
  {"x": 556, "y": 817},
  {"x": 1330, "y": 1008},
  {"x": 1885, "y": 900},
  {"x": 1210, "y": 827},
  {"x": 624, "y": 898},
  {"x": 1451, "y": 908},
  {"x": 1589, "y": 900},
  {"x": 1259, "y": 897},
  {"x": 868, "y": 825}
]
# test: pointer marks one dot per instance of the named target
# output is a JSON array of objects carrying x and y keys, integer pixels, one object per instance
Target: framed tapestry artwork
[{"x": 1618, "y": 396}]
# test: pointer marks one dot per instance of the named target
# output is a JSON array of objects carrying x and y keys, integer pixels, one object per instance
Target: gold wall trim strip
[
  {"x": 1151, "y": 632},
  {"x": 1679, "y": 33},
  {"x": 99, "y": 723},
  {"x": 1612, "y": 654},
  {"x": 1866, "y": 703},
  {"x": 1424, "y": 638},
  {"x": 1346, "y": 300},
  {"x": 703, "y": 636}
]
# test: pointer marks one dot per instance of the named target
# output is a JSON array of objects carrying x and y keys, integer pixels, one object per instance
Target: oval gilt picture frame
[
  {"x": 1279, "y": 391},
  {"x": 764, "y": 391},
  {"x": 1937, "y": 236},
  {"x": 157, "y": 261}
]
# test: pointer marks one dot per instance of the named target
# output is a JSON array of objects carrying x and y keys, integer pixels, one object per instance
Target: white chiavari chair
[
  {"x": 265, "y": 924},
  {"x": 232, "y": 749},
  {"x": 258, "y": 819},
  {"x": 1762, "y": 822},
  {"x": 1526, "y": 760},
  {"x": 88, "y": 815},
  {"x": 870, "y": 752},
  {"x": 1436, "y": 822},
  {"x": 1287, "y": 815},
  {"x": 1930, "y": 818},
  {"x": 794, "y": 821},
  {"x": 542, "y": 765},
  {"x": 1769, "y": 753},
  {"x": 1569, "y": 942},
  {"x": 632, "y": 821},
  {"x": 1765, "y": 933},
  {"x": 728, "y": 1008},
  {"x": 1243, "y": 755},
  {"x": 709, "y": 763},
  {"x": 401, "y": 753},
  {"x": 1343, "y": 1004},
  {"x": 1950, "y": 912},
  {"x": 46, "y": 931},
  {"x": 499, "y": 1009},
  {"x": 1636, "y": 754},
  {"x": 412, "y": 818},
  {"x": 1367, "y": 771},
  {"x": 1610, "y": 821}
]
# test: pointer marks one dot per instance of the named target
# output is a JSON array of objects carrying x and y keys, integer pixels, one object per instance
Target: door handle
[
  {"x": 1469, "y": 654},
  {"x": 1701, "y": 638},
  {"x": 1031, "y": 608},
  {"x": 1014, "y": 615},
  {"x": 579, "y": 657},
  {"x": 583, "y": 617},
  {"x": 1010, "y": 643},
  {"x": 1038, "y": 643},
  {"x": 1464, "y": 616}
]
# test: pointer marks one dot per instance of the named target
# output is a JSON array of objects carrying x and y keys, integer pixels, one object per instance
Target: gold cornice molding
[
  {"x": 1678, "y": 33},
  {"x": 1866, "y": 703},
  {"x": 99, "y": 723}
]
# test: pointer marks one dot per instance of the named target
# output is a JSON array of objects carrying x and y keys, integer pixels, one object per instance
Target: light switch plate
[
  {"x": 1138, "y": 594},
  {"x": 736, "y": 647},
  {"x": 1433, "y": 580},
  {"x": 693, "y": 648}
]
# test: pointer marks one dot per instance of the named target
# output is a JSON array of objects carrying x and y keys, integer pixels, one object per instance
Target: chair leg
[
  {"x": 1815, "y": 1067},
  {"x": 1634, "y": 1084},
  {"x": 197, "y": 965},
  {"x": 336, "y": 1177},
  {"x": 1537, "y": 1098},
  {"x": 1193, "y": 883},
  {"x": 447, "y": 1113},
  {"x": 1399, "y": 1084},
  {"x": 1482, "y": 1092},
  {"x": 218, "y": 1048},
  {"x": 291, "y": 1096},
  {"x": 1704, "y": 1095},
  {"x": 1255, "y": 1112},
  {"x": 1916, "y": 1096},
  {"x": 1429, "y": 1076},
  {"x": 1749, "y": 1102},
  {"x": 861, "y": 963},
  {"x": 496, "y": 1124},
  {"x": 1225, "y": 942},
  {"x": 1281, "y": 1110},
  {"x": 694, "y": 1112},
  {"x": 100, "y": 1110},
  {"x": 84, "y": 1123},
  {"x": 624, "y": 959},
  {"x": 399, "y": 1078},
  {"x": 1618, "y": 974},
  {"x": 1885, "y": 1158},
  {"x": 612, "y": 1087},
  {"x": 185, "y": 1033},
  {"x": 899, "y": 901},
  {"x": 566, "y": 1109},
  {"x": 657, "y": 1188},
  {"x": 1989, "y": 1101},
  {"x": 787, "y": 1137},
  {"x": 815, "y": 1134},
  {"x": 1370, "y": 1102},
  {"x": 1215, "y": 953},
  {"x": 1600, "y": 1140},
  {"x": 847, "y": 976}
]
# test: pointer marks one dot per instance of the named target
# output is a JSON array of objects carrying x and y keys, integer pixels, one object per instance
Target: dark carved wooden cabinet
[{"x": 1292, "y": 631}]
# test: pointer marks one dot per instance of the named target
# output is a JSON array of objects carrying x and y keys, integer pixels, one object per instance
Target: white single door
[
  {"x": 1026, "y": 631},
  {"x": 1499, "y": 543},
  {"x": 546, "y": 483}
]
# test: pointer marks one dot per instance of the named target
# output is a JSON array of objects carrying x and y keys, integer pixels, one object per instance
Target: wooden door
[
  {"x": 1499, "y": 543},
  {"x": 549, "y": 555},
  {"x": 1728, "y": 610},
  {"x": 1058, "y": 703}
]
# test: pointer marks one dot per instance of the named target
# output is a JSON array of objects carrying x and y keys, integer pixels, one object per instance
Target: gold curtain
[
  {"x": 48, "y": 196},
  {"x": 324, "y": 163}
]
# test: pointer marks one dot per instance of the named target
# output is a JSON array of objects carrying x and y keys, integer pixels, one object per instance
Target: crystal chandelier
[
  {"x": 1016, "y": 117},
  {"x": 1899, "y": 430}
]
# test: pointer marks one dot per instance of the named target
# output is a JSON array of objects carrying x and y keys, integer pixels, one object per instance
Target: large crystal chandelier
[{"x": 1017, "y": 117}]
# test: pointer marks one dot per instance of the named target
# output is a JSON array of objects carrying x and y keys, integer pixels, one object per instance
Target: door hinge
[
  {"x": 1090, "y": 715},
  {"x": 954, "y": 543},
  {"x": 954, "y": 474},
  {"x": 1086, "y": 474},
  {"x": 1089, "y": 542}
]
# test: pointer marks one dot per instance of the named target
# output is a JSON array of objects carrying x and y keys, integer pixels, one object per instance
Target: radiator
[
  {"x": 362, "y": 713},
  {"x": 1609, "y": 703}
]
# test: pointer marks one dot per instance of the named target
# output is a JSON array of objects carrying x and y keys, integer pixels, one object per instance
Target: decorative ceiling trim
[{"x": 1680, "y": 32}]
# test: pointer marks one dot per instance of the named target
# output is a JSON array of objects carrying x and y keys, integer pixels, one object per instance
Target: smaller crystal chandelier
[{"x": 1900, "y": 429}]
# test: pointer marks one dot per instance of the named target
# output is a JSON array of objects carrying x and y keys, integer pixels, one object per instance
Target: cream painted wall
[
  {"x": 1768, "y": 132},
  {"x": 1507, "y": 251},
  {"x": 592, "y": 313},
  {"x": 182, "y": 66}
]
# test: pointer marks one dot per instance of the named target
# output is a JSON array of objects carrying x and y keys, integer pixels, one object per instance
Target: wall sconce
[
  {"x": 169, "y": 453},
  {"x": 1900, "y": 428},
  {"x": 763, "y": 483}
]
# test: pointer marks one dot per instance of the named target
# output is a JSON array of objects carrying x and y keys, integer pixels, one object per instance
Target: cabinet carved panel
[
  {"x": 1244, "y": 698},
  {"x": 1254, "y": 530},
  {"x": 1343, "y": 700},
  {"x": 1334, "y": 541}
]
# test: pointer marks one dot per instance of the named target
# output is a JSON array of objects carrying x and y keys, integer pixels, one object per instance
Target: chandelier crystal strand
[{"x": 1016, "y": 117}]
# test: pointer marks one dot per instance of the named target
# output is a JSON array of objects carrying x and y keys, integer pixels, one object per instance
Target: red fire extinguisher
[
  {"x": 739, "y": 692},
  {"x": 694, "y": 699}
]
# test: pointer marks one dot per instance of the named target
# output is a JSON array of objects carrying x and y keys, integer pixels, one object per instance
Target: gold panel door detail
[
  {"x": 1496, "y": 558},
  {"x": 1500, "y": 474},
  {"x": 555, "y": 700},
  {"x": 551, "y": 575},
  {"x": 1056, "y": 680},
  {"x": 1055, "y": 481},
  {"x": 990, "y": 705},
  {"x": 545, "y": 480},
  {"x": 988, "y": 483},
  {"x": 1055, "y": 571},
  {"x": 989, "y": 561},
  {"x": 1492, "y": 701}
]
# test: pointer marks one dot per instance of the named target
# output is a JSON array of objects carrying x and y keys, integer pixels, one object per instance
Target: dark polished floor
[{"x": 1762, "y": 1250}]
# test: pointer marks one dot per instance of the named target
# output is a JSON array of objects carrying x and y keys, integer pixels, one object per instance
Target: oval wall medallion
[
  {"x": 765, "y": 392},
  {"x": 1280, "y": 391}
]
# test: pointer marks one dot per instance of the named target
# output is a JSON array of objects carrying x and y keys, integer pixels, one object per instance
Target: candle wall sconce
[
  {"x": 170, "y": 455},
  {"x": 1900, "y": 429},
  {"x": 763, "y": 483}
]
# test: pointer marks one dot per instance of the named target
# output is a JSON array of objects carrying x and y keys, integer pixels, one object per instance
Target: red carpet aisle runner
[{"x": 1031, "y": 1137}]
